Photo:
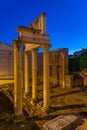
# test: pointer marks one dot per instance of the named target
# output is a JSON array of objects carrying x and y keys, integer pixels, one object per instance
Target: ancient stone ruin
[{"x": 25, "y": 66}]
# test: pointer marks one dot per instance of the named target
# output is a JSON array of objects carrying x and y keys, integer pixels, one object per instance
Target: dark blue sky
[{"x": 66, "y": 20}]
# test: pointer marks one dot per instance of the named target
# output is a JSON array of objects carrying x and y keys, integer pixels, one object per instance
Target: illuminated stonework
[{"x": 53, "y": 68}]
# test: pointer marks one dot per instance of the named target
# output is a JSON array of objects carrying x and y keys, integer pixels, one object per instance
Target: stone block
[
  {"x": 69, "y": 81},
  {"x": 60, "y": 122}
]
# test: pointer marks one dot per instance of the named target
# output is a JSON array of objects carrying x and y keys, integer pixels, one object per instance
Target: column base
[
  {"x": 19, "y": 118},
  {"x": 34, "y": 101},
  {"x": 47, "y": 109},
  {"x": 27, "y": 94}
]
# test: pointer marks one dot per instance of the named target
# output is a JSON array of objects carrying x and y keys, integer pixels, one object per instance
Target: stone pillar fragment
[
  {"x": 85, "y": 80},
  {"x": 69, "y": 81}
]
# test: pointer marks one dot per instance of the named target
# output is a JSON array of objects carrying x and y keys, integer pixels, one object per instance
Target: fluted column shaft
[
  {"x": 17, "y": 81},
  {"x": 26, "y": 73},
  {"x": 34, "y": 74},
  {"x": 46, "y": 89}
]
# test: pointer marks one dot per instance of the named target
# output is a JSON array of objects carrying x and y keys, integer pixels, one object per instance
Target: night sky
[{"x": 66, "y": 20}]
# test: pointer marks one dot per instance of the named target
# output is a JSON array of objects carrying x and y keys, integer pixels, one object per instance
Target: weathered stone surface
[
  {"x": 84, "y": 75},
  {"x": 69, "y": 81},
  {"x": 60, "y": 122}
]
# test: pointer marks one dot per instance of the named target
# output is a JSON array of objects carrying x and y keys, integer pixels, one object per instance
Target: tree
[
  {"x": 83, "y": 62},
  {"x": 84, "y": 52},
  {"x": 78, "y": 63},
  {"x": 74, "y": 64}
]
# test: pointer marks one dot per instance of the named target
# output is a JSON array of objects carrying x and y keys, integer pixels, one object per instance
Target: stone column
[
  {"x": 18, "y": 114},
  {"x": 34, "y": 74},
  {"x": 55, "y": 70},
  {"x": 46, "y": 89},
  {"x": 26, "y": 73},
  {"x": 21, "y": 69},
  {"x": 62, "y": 71}
]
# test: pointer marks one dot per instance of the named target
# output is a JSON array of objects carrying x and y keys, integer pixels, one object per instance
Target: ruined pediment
[
  {"x": 34, "y": 35},
  {"x": 39, "y": 25}
]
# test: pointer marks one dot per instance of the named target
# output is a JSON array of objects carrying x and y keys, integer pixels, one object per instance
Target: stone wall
[{"x": 6, "y": 63}]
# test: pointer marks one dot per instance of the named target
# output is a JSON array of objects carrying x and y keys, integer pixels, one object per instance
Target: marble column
[
  {"x": 34, "y": 74},
  {"x": 26, "y": 73},
  {"x": 46, "y": 88},
  {"x": 18, "y": 114}
]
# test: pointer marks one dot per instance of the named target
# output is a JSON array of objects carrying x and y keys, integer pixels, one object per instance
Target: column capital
[
  {"x": 34, "y": 49},
  {"x": 26, "y": 52},
  {"x": 46, "y": 47},
  {"x": 16, "y": 43}
]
